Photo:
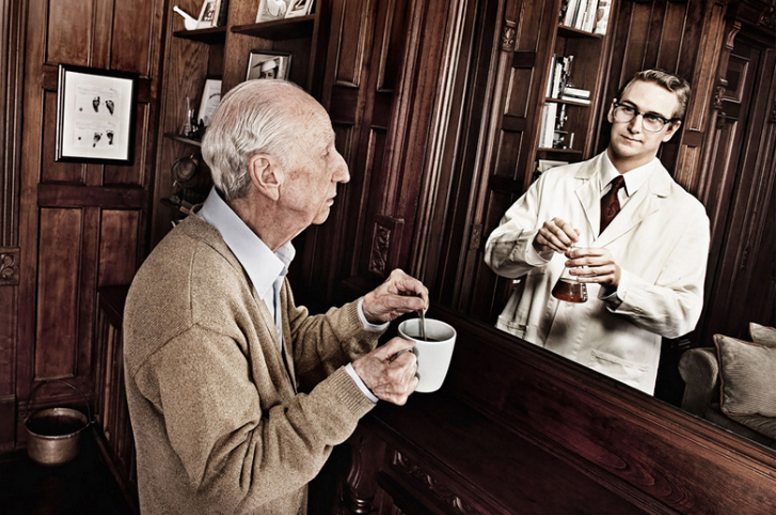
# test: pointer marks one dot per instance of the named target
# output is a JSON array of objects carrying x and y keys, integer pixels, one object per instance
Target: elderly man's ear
[{"x": 267, "y": 175}]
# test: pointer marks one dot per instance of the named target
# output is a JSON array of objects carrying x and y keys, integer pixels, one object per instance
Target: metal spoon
[{"x": 423, "y": 325}]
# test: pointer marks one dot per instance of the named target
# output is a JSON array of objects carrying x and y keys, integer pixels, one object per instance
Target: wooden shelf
[
  {"x": 570, "y": 32},
  {"x": 182, "y": 139},
  {"x": 543, "y": 150},
  {"x": 292, "y": 28},
  {"x": 567, "y": 102},
  {"x": 213, "y": 35}
]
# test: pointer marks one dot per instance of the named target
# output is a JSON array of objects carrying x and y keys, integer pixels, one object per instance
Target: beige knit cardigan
[{"x": 219, "y": 423}]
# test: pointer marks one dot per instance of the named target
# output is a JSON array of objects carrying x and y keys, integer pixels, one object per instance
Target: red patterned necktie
[{"x": 609, "y": 203}]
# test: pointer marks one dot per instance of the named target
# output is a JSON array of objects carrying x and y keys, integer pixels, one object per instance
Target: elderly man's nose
[{"x": 341, "y": 174}]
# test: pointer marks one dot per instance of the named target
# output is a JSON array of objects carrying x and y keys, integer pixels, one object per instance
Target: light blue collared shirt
[{"x": 266, "y": 269}]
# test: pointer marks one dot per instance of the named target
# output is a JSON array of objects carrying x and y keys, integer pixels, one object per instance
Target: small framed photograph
[
  {"x": 299, "y": 8},
  {"x": 547, "y": 164},
  {"x": 212, "y": 95},
  {"x": 95, "y": 115},
  {"x": 271, "y": 10},
  {"x": 264, "y": 64},
  {"x": 208, "y": 14}
]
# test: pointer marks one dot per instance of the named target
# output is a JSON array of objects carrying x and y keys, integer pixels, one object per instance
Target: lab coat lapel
[
  {"x": 645, "y": 202},
  {"x": 588, "y": 193}
]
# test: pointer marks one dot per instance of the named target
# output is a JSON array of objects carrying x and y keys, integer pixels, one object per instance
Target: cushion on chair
[
  {"x": 761, "y": 334},
  {"x": 747, "y": 377}
]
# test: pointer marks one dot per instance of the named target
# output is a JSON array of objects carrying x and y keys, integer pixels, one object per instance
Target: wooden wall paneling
[
  {"x": 507, "y": 167},
  {"x": 119, "y": 235},
  {"x": 383, "y": 225},
  {"x": 447, "y": 237},
  {"x": 134, "y": 27},
  {"x": 741, "y": 228},
  {"x": 11, "y": 39},
  {"x": 57, "y": 294},
  {"x": 691, "y": 155},
  {"x": 60, "y": 205},
  {"x": 69, "y": 31}
]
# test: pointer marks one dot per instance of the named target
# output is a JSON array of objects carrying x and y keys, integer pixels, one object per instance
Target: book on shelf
[
  {"x": 548, "y": 125},
  {"x": 603, "y": 17},
  {"x": 586, "y": 15},
  {"x": 559, "y": 74}
]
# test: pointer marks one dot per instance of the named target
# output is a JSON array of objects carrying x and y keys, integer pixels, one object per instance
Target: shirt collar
[
  {"x": 633, "y": 179},
  {"x": 262, "y": 265}
]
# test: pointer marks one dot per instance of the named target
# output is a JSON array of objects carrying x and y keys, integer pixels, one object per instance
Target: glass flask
[{"x": 568, "y": 289}]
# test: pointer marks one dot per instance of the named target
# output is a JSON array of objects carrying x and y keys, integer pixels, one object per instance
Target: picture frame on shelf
[
  {"x": 209, "y": 101},
  {"x": 299, "y": 8},
  {"x": 547, "y": 164},
  {"x": 264, "y": 64},
  {"x": 95, "y": 115},
  {"x": 209, "y": 13},
  {"x": 272, "y": 10}
]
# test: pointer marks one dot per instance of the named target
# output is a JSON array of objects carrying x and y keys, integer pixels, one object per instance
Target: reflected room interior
[{"x": 441, "y": 110}]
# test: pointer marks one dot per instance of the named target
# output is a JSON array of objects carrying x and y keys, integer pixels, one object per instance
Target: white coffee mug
[{"x": 432, "y": 356}]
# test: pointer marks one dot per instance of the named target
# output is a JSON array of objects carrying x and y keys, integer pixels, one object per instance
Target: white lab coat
[{"x": 660, "y": 239}]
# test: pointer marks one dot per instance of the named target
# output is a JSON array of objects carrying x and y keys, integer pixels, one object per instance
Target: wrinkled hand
[
  {"x": 395, "y": 297},
  {"x": 389, "y": 375},
  {"x": 556, "y": 235},
  {"x": 599, "y": 267}
]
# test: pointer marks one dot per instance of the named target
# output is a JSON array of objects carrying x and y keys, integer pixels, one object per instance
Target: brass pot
[{"x": 54, "y": 435}]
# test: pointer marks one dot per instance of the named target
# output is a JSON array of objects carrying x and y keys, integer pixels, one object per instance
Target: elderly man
[
  {"x": 618, "y": 223},
  {"x": 237, "y": 395}
]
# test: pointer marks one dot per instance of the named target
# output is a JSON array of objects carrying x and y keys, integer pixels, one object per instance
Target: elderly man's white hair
[{"x": 255, "y": 117}]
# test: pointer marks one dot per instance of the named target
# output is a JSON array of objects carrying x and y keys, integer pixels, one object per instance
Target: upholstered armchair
[{"x": 733, "y": 384}]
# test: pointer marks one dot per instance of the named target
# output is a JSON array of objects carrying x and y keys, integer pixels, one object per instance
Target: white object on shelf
[{"x": 189, "y": 22}]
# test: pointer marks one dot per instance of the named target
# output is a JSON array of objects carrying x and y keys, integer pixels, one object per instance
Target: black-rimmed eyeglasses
[{"x": 652, "y": 122}]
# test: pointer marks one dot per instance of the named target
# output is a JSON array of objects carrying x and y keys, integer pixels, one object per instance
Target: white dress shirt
[{"x": 266, "y": 269}]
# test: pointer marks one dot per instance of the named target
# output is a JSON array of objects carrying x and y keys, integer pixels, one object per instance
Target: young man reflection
[{"x": 645, "y": 268}]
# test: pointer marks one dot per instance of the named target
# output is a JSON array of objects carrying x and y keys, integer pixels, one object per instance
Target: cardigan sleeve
[
  {"x": 322, "y": 343},
  {"x": 239, "y": 449}
]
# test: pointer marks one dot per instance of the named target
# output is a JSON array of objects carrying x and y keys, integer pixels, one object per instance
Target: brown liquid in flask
[{"x": 570, "y": 290}]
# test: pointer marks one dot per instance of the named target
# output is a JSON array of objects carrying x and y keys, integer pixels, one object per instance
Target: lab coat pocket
[{"x": 628, "y": 372}]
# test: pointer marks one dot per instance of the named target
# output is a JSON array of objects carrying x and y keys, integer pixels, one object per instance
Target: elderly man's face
[{"x": 315, "y": 169}]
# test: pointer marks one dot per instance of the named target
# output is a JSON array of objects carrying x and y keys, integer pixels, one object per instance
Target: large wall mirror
[
  {"x": 472, "y": 92},
  {"x": 724, "y": 155}
]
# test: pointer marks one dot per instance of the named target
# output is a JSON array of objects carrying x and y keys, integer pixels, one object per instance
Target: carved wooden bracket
[
  {"x": 9, "y": 266},
  {"x": 767, "y": 19},
  {"x": 508, "y": 36},
  {"x": 385, "y": 246}
]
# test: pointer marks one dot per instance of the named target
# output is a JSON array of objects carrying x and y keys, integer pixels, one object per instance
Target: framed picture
[
  {"x": 270, "y": 10},
  {"x": 212, "y": 95},
  {"x": 268, "y": 65},
  {"x": 95, "y": 115},
  {"x": 299, "y": 8},
  {"x": 547, "y": 164},
  {"x": 208, "y": 14}
]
